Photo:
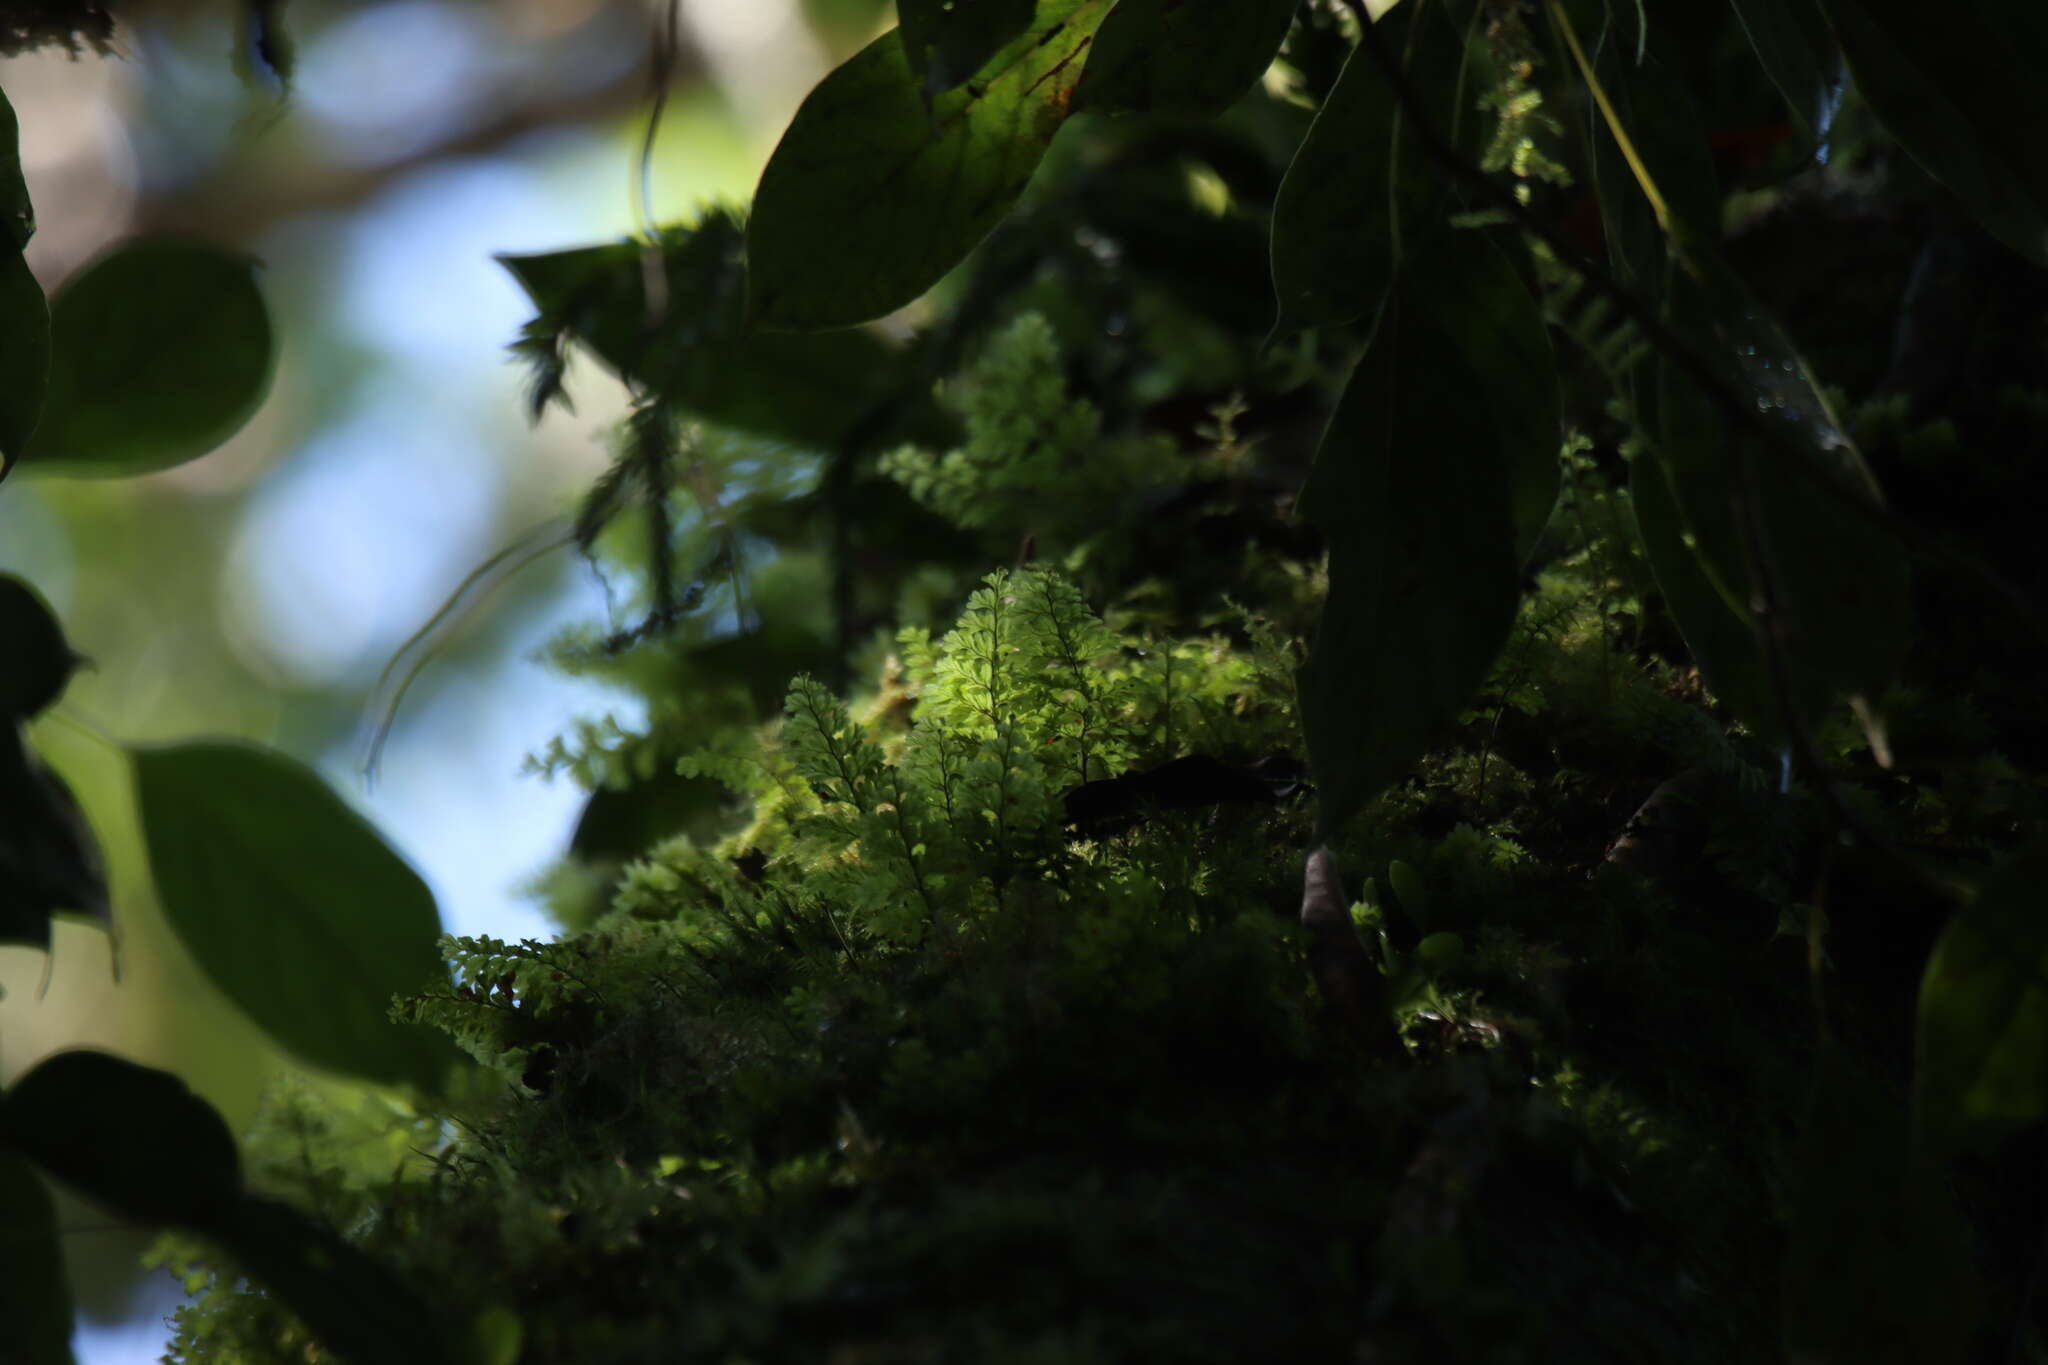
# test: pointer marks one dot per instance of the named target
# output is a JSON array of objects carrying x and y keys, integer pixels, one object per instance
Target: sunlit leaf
[
  {"x": 1181, "y": 56},
  {"x": 293, "y": 906},
  {"x": 50, "y": 862},
  {"x": 1960, "y": 90},
  {"x": 35, "y": 1300},
  {"x": 695, "y": 348},
  {"x": 130, "y": 1137},
  {"x": 1983, "y": 1036},
  {"x": 872, "y": 195},
  {"x": 1354, "y": 188},
  {"x": 948, "y": 41},
  {"x": 160, "y": 351}
]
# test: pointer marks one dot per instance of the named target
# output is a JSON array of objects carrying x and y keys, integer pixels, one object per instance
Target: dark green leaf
[
  {"x": 130, "y": 1137},
  {"x": 35, "y": 1300},
  {"x": 35, "y": 663},
  {"x": 1181, "y": 56},
  {"x": 697, "y": 352},
  {"x": 1983, "y": 1044},
  {"x": 1413, "y": 488},
  {"x": 1960, "y": 90},
  {"x": 49, "y": 860},
  {"x": 293, "y": 906},
  {"x": 1355, "y": 189},
  {"x": 17, "y": 215},
  {"x": 357, "y": 1308},
  {"x": 1663, "y": 124},
  {"x": 1792, "y": 42},
  {"x": 872, "y": 195},
  {"x": 1879, "y": 1264},
  {"x": 24, "y": 356},
  {"x": 160, "y": 351},
  {"x": 947, "y": 41}
]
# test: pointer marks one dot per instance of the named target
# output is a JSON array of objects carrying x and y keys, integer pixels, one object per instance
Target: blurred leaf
[
  {"x": 359, "y": 1310},
  {"x": 160, "y": 351},
  {"x": 948, "y": 41},
  {"x": 35, "y": 1300},
  {"x": 496, "y": 1336},
  {"x": 24, "y": 356},
  {"x": 130, "y": 1137},
  {"x": 1793, "y": 44},
  {"x": 35, "y": 662},
  {"x": 1354, "y": 189},
  {"x": 1982, "y": 1070},
  {"x": 1879, "y": 1262},
  {"x": 1181, "y": 56},
  {"x": 294, "y": 906},
  {"x": 696, "y": 351},
  {"x": 49, "y": 860},
  {"x": 872, "y": 196},
  {"x": 1413, "y": 487},
  {"x": 1960, "y": 90},
  {"x": 17, "y": 214}
]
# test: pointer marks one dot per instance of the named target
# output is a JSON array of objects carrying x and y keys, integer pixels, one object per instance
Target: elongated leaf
[
  {"x": 130, "y": 1137},
  {"x": 1983, "y": 1035},
  {"x": 1181, "y": 56},
  {"x": 358, "y": 1309},
  {"x": 1357, "y": 185},
  {"x": 1664, "y": 126},
  {"x": 35, "y": 1300},
  {"x": 1879, "y": 1263},
  {"x": 948, "y": 41},
  {"x": 1792, "y": 42},
  {"x": 293, "y": 906},
  {"x": 160, "y": 351},
  {"x": 24, "y": 356},
  {"x": 1960, "y": 90},
  {"x": 1413, "y": 488},
  {"x": 49, "y": 860},
  {"x": 695, "y": 349},
  {"x": 871, "y": 196}
]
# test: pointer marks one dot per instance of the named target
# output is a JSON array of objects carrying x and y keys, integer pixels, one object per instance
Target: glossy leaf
[
  {"x": 49, "y": 860},
  {"x": 1961, "y": 92},
  {"x": 1879, "y": 1263},
  {"x": 130, "y": 1137},
  {"x": 804, "y": 389},
  {"x": 160, "y": 351},
  {"x": 35, "y": 1300},
  {"x": 1792, "y": 43},
  {"x": 872, "y": 195},
  {"x": 1181, "y": 56},
  {"x": 358, "y": 1309},
  {"x": 948, "y": 41},
  {"x": 293, "y": 906},
  {"x": 1413, "y": 488},
  {"x": 1356, "y": 186},
  {"x": 1983, "y": 1033}
]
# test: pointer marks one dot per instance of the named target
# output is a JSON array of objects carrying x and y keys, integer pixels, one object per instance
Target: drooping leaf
[
  {"x": 130, "y": 1137},
  {"x": 49, "y": 860},
  {"x": 293, "y": 905},
  {"x": 1961, "y": 92},
  {"x": 1412, "y": 488},
  {"x": 1982, "y": 1070},
  {"x": 1792, "y": 42},
  {"x": 35, "y": 1300},
  {"x": 35, "y": 663},
  {"x": 359, "y": 1310},
  {"x": 1181, "y": 56},
  {"x": 1357, "y": 186},
  {"x": 948, "y": 41},
  {"x": 695, "y": 348},
  {"x": 872, "y": 195},
  {"x": 1879, "y": 1264},
  {"x": 160, "y": 351}
]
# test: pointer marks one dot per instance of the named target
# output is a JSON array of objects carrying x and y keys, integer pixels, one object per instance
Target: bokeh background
[{"x": 260, "y": 591}]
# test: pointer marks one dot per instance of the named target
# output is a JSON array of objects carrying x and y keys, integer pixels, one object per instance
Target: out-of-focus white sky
[{"x": 393, "y": 455}]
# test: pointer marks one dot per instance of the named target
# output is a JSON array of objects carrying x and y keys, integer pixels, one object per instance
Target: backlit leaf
[
  {"x": 160, "y": 351},
  {"x": 948, "y": 41},
  {"x": 294, "y": 906},
  {"x": 130, "y": 1137},
  {"x": 1181, "y": 56},
  {"x": 872, "y": 195},
  {"x": 35, "y": 1300}
]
